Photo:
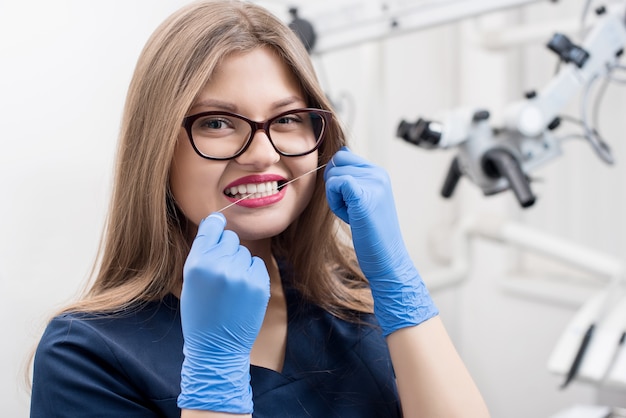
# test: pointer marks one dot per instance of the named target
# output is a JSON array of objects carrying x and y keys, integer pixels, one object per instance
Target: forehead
[{"x": 257, "y": 78}]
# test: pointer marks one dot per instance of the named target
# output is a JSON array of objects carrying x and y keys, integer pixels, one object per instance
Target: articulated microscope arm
[{"x": 497, "y": 159}]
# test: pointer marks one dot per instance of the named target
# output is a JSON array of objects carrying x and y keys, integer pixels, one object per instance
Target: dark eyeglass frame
[{"x": 257, "y": 126}]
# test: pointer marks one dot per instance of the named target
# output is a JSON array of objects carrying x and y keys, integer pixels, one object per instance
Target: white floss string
[{"x": 289, "y": 182}]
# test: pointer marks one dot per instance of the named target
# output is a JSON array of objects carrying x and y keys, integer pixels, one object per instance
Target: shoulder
[
  {"x": 73, "y": 366},
  {"x": 90, "y": 359},
  {"x": 102, "y": 343},
  {"x": 67, "y": 332},
  {"x": 102, "y": 332}
]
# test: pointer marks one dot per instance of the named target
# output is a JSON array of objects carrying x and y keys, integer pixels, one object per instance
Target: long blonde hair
[{"x": 144, "y": 245}]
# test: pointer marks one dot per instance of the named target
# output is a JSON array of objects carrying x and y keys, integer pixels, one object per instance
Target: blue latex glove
[
  {"x": 222, "y": 305},
  {"x": 360, "y": 194}
]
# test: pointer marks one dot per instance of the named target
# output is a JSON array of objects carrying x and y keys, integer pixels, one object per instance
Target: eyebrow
[
  {"x": 215, "y": 103},
  {"x": 287, "y": 101},
  {"x": 231, "y": 107}
]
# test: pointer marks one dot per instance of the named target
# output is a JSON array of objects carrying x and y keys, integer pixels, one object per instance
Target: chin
[{"x": 257, "y": 232}]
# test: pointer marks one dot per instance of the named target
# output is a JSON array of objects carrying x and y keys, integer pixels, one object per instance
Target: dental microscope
[{"x": 499, "y": 158}]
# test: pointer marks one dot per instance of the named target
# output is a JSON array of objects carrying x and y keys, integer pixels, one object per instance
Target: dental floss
[{"x": 289, "y": 182}]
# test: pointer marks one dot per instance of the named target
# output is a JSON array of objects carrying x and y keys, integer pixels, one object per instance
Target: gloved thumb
[{"x": 211, "y": 229}]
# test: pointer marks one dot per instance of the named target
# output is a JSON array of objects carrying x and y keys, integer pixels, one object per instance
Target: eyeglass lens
[{"x": 223, "y": 136}]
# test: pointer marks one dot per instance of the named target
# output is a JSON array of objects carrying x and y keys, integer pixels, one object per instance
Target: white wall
[
  {"x": 505, "y": 338},
  {"x": 65, "y": 68}
]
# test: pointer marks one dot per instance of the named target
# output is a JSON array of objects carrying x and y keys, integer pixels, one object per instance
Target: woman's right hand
[{"x": 223, "y": 302}]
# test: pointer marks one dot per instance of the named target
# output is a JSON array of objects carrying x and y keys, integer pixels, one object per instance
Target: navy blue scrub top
[{"x": 128, "y": 365}]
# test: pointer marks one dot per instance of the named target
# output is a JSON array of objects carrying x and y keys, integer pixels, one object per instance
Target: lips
[{"x": 258, "y": 190}]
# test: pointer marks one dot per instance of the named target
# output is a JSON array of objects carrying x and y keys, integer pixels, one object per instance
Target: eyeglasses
[{"x": 225, "y": 135}]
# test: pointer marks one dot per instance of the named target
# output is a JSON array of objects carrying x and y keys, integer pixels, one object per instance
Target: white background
[{"x": 64, "y": 69}]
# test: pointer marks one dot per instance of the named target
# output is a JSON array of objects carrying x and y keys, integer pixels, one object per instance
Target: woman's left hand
[{"x": 360, "y": 194}]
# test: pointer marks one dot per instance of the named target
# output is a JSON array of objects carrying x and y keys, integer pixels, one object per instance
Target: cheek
[
  {"x": 193, "y": 182},
  {"x": 308, "y": 183}
]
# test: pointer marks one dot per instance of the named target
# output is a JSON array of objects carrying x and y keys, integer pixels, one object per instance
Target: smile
[{"x": 254, "y": 190}]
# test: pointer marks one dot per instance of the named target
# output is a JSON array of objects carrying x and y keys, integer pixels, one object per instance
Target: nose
[{"x": 260, "y": 153}]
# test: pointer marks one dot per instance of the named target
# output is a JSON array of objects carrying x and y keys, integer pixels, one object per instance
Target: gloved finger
[
  {"x": 343, "y": 188},
  {"x": 243, "y": 260},
  {"x": 341, "y": 193},
  {"x": 211, "y": 229},
  {"x": 228, "y": 245},
  {"x": 364, "y": 175},
  {"x": 353, "y": 166},
  {"x": 260, "y": 277},
  {"x": 368, "y": 177},
  {"x": 345, "y": 157},
  {"x": 337, "y": 160},
  {"x": 212, "y": 238},
  {"x": 336, "y": 203}
]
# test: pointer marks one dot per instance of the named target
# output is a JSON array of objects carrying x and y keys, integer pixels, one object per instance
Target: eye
[
  {"x": 213, "y": 123},
  {"x": 287, "y": 119}
]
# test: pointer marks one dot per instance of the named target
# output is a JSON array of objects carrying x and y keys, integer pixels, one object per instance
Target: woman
[{"x": 225, "y": 285}]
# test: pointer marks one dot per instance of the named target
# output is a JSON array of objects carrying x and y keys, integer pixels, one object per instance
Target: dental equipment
[{"x": 498, "y": 158}]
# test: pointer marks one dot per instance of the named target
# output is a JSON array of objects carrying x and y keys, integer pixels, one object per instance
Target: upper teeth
[{"x": 262, "y": 189}]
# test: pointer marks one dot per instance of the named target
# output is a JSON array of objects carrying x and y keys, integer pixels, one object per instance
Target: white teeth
[{"x": 256, "y": 190}]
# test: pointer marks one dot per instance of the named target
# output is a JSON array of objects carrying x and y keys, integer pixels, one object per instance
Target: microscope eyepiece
[{"x": 422, "y": 133}]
